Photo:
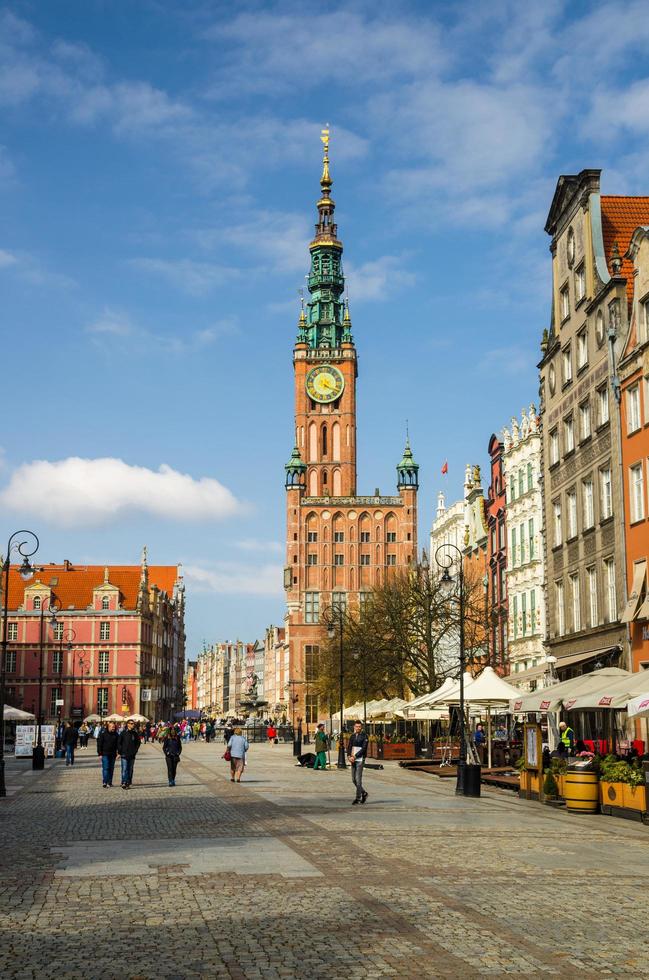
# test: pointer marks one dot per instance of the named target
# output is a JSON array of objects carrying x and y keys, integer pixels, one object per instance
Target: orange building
[
  {"x": 338, "y": 545},
  {"x": 634, "y": 423}
]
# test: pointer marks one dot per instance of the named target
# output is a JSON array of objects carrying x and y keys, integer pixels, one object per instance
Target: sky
[{"x": 159, "y": 167}]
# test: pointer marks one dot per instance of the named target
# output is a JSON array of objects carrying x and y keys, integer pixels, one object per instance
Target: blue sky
[{"x": 159, "y": 165}]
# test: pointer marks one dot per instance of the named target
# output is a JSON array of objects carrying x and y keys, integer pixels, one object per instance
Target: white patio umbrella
[
  {"x": 15, "y": 714},
  {"x": 552, "y": 698},
  {"x": 612, "y": 694},
  {"x": 92, "y": 718},
  {"x": 136, "y": 718},
  {"x": 638, "y": 707},
  {"x": 489, "y": 691},
  {"x": 424, "y": 699}
]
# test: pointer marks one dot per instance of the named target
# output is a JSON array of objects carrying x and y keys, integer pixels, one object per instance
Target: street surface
[{"x": 282, "y": 877}]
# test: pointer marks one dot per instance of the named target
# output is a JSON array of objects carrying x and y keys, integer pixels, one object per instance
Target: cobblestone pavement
[{"x": 281, "y": 877}]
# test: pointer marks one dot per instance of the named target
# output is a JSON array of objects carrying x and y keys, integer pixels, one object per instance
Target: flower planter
[
  {"x": 560, "y": 778},
  {"x": 635, "y": 797},
  {"x": 398, "y": 750},
  {"x": 611, "y": 794},
  {"x": 529, "y": 786},
  {"x": 535, "y": 785}
]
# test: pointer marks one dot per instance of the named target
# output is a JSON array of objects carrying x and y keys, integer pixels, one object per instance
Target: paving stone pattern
[{"x": 281, "y": 877}]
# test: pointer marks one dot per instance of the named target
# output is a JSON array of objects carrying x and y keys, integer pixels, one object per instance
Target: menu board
[
  {"x": 533, "y": 746},
  {"x": 27, "y": 736}
]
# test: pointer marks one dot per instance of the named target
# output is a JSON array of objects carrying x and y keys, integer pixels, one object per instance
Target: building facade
[
  {"x": 634, "y": 422},
  {"x": 116, "y": 644},
  {"x": 191, "y": 687},
  {"x": 276, "y": 672},
  {"x": 582, "y": 476},
  {"x": 224, "y": 673},
  {"x": 447, "y": 528},
  {"x": 522, "y": 462},
  {"x": 496, "y": 581},
  {"x": 338, "y": 544}
]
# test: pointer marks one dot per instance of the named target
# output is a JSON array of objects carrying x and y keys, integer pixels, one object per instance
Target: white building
[
  {"x": 522, "y": 465},
  {"x": 448, "y": 528}
]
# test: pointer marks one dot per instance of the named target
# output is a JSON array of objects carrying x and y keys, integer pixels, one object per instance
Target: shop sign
[
  {"x": 605, "y": 702},
  {"x": 545, "y": 705}
]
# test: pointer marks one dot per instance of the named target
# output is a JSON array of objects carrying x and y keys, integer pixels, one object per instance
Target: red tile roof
[
  {"x": 76, "y": 582},
  {"x": 620, "y": 218}
]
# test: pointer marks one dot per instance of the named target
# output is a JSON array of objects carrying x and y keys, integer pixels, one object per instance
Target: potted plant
[
  {"x": 634, "y": 791},
  {"x": 559, "y": 767},
  {"x": 550, "y": 788}
]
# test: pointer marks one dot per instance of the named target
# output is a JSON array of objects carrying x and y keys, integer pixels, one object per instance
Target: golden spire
[{"x": 325, "y": 180}]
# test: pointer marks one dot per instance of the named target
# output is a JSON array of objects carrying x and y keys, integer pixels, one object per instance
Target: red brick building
[
  {"x": 338, "y": 545},
  {"x": 118, "y": 643}
]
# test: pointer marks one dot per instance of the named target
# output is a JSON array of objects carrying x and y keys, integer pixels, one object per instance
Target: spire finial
[{"x": 325, "y": 180}]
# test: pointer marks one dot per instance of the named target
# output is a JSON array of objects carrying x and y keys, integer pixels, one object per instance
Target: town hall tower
[{"x": 338, "y": 545}]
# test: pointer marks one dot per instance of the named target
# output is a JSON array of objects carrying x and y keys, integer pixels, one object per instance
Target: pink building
[{"x": 117, "y": 643}]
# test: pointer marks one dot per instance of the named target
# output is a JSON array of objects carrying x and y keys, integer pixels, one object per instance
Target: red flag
[{"x": 445, "y": 467}]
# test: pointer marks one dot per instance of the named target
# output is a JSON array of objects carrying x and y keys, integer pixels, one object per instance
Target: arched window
[
  {"x": 37, "y": 602},
  {"x": 313, "y": 442},
  {"x": 335, "y": 433},
  {"x": 337, "y": 484},
  {"x": 105, "y": 602},
  {"x": 325, "y": 489},
  {"x": 324, "y": 440},
  {"x": 313, "y": 483}
]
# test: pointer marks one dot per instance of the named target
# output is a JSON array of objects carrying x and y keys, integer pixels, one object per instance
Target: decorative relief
[
  {"x": 608, "y": 535},
  {"x": 573, "y": 552}
]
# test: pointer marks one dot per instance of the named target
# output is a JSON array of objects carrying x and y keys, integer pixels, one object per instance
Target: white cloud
[
  {"x": 112, "y": 323},
  {"x": 377, "y": 278},
  {"x": 196, "y": 278},
  {"x": 233, "y": 578},
  {"x": 77, "y": 491},
  {"x": 7, "y": 258},
  {"x": 114, "y": 329},
  {"x": 254, "y": 544}
]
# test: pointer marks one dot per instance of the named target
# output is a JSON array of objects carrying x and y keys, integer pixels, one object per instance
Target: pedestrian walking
[
  {"x": 128, "y": 744},
  {"x": 172, "y": 746},
  {"x": 321, "y": 743},
  {"x": 237, "y": 747},
  {"x": 271, "y": 733},
  {"x": 84, "y": 735},
  {"x": 69, "y": 741},
  {"x": 107, "y": 751},
  {"x": 356, "y": 753},
  {"x": 228, "y": 732}
]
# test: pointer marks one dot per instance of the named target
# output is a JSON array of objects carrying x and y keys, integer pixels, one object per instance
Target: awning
[
  {"x": 633, "y": 604},
  {"x": 552, "y": 698},
  {"x": 578, "y": 658},
  {"x": 611, "y": 695},
  {"x": 522, "y": 676}
]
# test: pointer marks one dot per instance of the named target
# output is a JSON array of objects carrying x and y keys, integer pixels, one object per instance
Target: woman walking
[
  {"x": 172, "y": 747},
  {"x": 237, "y": 747}
]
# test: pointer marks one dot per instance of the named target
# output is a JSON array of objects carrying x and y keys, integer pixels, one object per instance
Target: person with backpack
[
  {"x": 321, "y": 744},
  {"x": 107, "y": 752},
  {"x": 172, "y": 747}
]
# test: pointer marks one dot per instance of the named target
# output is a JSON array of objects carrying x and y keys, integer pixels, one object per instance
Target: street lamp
[
  {"x": 445, "y": 561},
  {"x": 26, "y": 571},
  {"x": 331, "y": 632},
  {"x": 38, "y": 755},
  {"x": 69, "y": 636}
]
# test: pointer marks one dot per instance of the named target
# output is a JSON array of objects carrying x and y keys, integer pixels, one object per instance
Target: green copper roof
[
  {"x": 408, "y": 460},
  {"x": 295, "y": 462}
]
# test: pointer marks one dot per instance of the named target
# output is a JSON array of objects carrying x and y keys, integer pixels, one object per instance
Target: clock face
[{"x": 324, "y": 383}]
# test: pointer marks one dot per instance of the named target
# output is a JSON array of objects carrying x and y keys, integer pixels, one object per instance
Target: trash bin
[
  {"x": 472, "y": 773},
  {"x": 468, "y": 779}
]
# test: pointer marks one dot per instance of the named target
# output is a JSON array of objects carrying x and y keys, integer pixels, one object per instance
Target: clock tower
[{"x": 339, "y": 545}]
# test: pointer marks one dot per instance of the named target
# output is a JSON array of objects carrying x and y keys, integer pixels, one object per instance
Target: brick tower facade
[{"x": 338, "y": 545}]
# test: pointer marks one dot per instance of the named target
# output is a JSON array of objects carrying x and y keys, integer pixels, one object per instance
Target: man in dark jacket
[
  {"x": 128, "y": 744},
  {"x": 107, "y": 750},
  {"x": 172, "y": 747},
  {"x": 356, "y": 753},
  {"x": 69, "y": 741}
]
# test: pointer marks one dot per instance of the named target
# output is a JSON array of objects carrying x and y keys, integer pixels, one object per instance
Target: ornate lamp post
[
  {"x": 331, "y": 632},
  {"x": 68, "y": 636},
  {"x": 38, "y": 756},
  {"x": 26, "y": 571},
  {"x": 445, "y": 561}
]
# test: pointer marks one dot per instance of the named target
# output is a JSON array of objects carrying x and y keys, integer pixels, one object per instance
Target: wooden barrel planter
[{"x": 582, "y": 791}]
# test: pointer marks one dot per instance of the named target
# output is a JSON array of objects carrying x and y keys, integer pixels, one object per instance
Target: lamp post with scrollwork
[
  {"x": 26, "y": 571},
  {"x": 38, "y": 755},
  {"x": 445, "y": 562}
]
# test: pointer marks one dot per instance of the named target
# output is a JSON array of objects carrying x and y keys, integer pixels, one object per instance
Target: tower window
[
  {"x": 339, "y": 536},
  {"x": 105, "y": 602},
  {"x": 312, "y": 607},
  {"x": 37, "y": 602},
  {"x": 391, "y": 537},
  {"x": 311, "y": 536},
  {"x": 390, "y": 559},
  {"x": 365, "y": 559},
  {"x": 324, "y": 478},
  {"x": 365, "y": 537},
  {"x": 312, "y": 559},
  {"x": 339, "y": 560},
  {"x": 324, "y": 440}
]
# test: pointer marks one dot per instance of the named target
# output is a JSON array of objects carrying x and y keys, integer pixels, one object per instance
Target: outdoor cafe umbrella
[
  {"x": 15, "y": 714},
  {"x": 92, "y": 718},
  {"x": 424, "y": 700},
  {"x": 638, "y": 707},
  {"x": 612, "y": 694},
  {"x": 552, "y": 698},
  {"x": 488, "y": 690},
  {"x": 114, "y": 717},
  {"x": 137, "y": 718}
]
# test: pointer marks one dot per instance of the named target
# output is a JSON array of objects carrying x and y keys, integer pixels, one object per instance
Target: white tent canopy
[
  {"x": 15, "y": 714},
  {"x": 638, "y": 707},
  {"x": 424, "y": 699},
  {"x": 450, "y": 690},
  {"x": 611, "y": 695},
  {"x": 488, "y": 688},
  {"x": 552, "y": 698}
]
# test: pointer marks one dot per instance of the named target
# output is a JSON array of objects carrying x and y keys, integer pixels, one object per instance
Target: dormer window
[
  {"x": 105, "y": 602},
  {"x": 37, "y": 602}
]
